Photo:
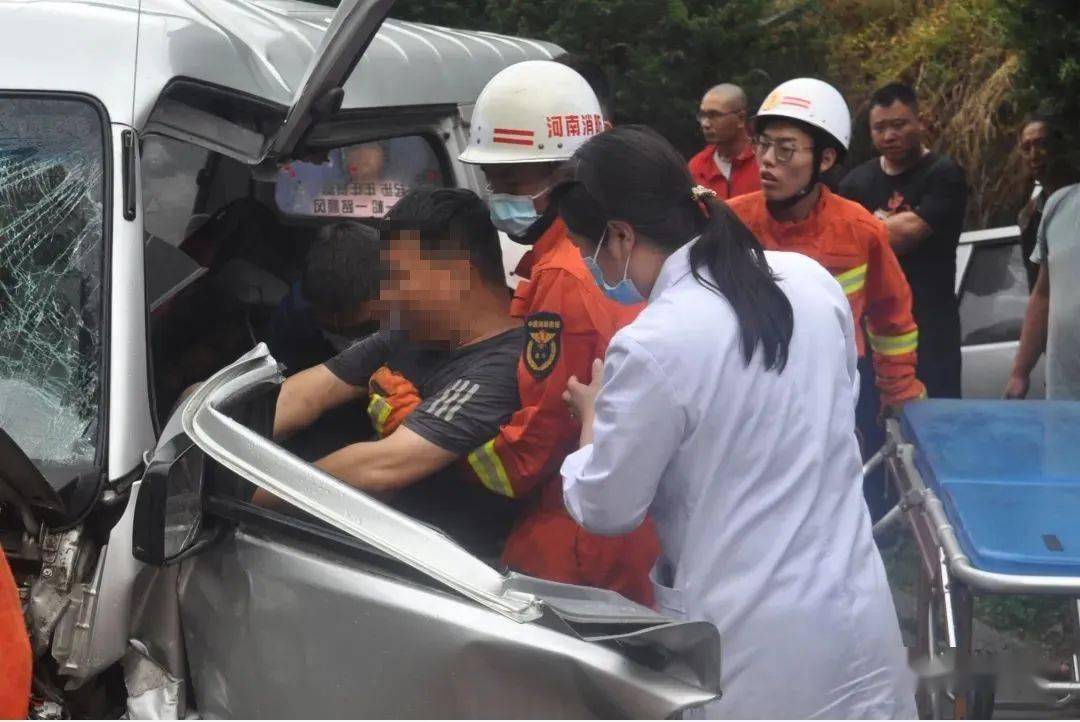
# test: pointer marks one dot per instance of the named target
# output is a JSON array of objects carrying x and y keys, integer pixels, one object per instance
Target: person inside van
[
  {"x": 366, "y": 163},
  {"x": 329, "y": 308},
  {"x": 438, "y": 380}
]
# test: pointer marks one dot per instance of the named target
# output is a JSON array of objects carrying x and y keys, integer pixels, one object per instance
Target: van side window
[
  {"x": 217, "y": 264},
  {"x": 170, "y": 172},
  {"x": 364, "y": 180},
  {"x": 994, "y": 296}
]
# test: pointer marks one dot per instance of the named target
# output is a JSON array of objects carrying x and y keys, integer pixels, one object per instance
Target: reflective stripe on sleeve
[
  {"x": 895, "y": 345},
  {"x": 853, "y": 280},
  {"x": 489, "y": 468},
  {"x": 379, "y": 411}
]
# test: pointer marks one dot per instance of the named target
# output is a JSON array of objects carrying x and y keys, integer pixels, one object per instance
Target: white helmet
[
  {"x": 536, "y": 111},
  {"x": 812, "y": 101}
]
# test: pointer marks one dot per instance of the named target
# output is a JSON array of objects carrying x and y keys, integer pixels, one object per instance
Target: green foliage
[
  {"x": 1037, "y": 621},
  {"x": 448, "y": 13},
  {"x": 660, "y": 55},
  {"x": 957, "y": 56},
  {"x": 1047, "y": 35}
]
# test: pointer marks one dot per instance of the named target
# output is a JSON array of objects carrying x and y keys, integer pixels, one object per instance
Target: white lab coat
[{"x": 754, "y": 481}]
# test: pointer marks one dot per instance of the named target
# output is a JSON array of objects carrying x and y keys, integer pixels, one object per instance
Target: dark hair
[
  {"x": 1053, "y": 125},
  {"x": 594, "y": 75},
  {"x": 633, "y": 174},
  {"x": 454, "y": 219},
  {"x": 889, "y": 94},
  {"x": 342, "y": 267}
]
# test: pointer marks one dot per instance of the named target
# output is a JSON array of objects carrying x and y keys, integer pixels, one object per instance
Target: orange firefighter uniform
[
  {"x": 15, "y": 658},
  {"x": 391, "y": 397},
  {"x": 546, "y": 542},
  {"x": 745, "y": 176},
  {"x": 569, "y": 324},
  {"x": 854, "y": 247}
]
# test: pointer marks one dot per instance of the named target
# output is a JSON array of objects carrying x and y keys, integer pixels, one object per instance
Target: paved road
[{"x": 988, "y": 641}]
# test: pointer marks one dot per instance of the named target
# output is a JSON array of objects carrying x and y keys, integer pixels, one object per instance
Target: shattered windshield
[{"x": 51, "y": 263}]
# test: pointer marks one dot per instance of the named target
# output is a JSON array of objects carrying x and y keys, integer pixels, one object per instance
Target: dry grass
[{"x": 954, "y": 53}]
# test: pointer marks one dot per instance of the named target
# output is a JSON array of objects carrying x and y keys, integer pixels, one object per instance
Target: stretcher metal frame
[{"x": 948, "y": 583}]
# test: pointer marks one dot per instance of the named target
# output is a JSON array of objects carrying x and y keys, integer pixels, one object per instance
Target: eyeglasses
[
  {"x": 714, "y": 115},
  {"x": 782, "y": 153}
]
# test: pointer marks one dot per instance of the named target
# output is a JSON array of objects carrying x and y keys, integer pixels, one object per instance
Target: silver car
[
  {"x": 163, "y": 164},
  {"x": 992, "y": 287}
]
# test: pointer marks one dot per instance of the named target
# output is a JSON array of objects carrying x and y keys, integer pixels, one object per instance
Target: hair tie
[{"x": 700, "y": 193}]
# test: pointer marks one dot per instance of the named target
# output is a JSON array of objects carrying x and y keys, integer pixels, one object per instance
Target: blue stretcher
[
  {"x": 991, "y": 491},
  {"x": 1008, "y": 476}
]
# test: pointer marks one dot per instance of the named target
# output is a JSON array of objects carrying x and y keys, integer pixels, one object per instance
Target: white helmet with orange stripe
[
  {"x": 813, "y": 102},
  {"x": 537, "y": 111}
]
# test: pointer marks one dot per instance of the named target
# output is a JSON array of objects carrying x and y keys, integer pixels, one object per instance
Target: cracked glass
[{"x": 51, "y": 267}]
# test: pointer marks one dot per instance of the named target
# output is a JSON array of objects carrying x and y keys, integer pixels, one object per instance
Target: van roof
[{"x": 258, "y": 47}]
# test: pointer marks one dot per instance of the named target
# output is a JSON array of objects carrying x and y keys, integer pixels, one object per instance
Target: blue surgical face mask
[
  {"x": 514, "y": 214},
  {"x": 624, "y": 292}
]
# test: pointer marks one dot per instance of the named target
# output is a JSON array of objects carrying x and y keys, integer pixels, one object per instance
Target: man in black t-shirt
[
  {"x": 438, "y": 383},
  {"x": 921, "y": 197}
]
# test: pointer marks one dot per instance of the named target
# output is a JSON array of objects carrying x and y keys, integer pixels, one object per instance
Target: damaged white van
[{"x": 164, "y": 165}]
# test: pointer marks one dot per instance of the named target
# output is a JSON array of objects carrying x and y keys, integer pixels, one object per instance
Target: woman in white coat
[{"x": 727, "y": 412}]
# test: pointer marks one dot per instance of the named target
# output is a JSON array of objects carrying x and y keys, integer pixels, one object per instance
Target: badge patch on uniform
[{"x": 542, "y": 349}]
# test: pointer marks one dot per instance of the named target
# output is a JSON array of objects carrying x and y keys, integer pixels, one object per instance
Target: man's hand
[
  {"x": 893, "y": 410},
  {"x": 889, "y": 411},
  {"x": 906, "y": 231},
  {"x": 381, "y": 467},
  {"x": 306, "y": 396},
  {"x": 1017, "y": 388},
  {"x": 1032, "y": 337}
]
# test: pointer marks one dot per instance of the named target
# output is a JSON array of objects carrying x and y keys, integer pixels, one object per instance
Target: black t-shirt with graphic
[
  {"x": 935, "y": 190},
  {"x": 467, "y": 394}
]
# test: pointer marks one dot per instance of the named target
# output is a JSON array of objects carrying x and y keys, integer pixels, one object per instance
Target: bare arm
[
  {"x": 1032, "y": 337},
  {"x": 377, "y": 467},
  {"x": 308, "y": 395},
  {"x": 906, "y": 231}
]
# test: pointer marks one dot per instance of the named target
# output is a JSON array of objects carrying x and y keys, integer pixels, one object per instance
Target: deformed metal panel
[
  {"x": 276, "y": 630},
  {"x": 263, "y": 48},
  {"x": 260, "y": 48},
  {"x": 414, "y": 64},
  {"x": 61, "y": 45},
  {"x": 271, "y": 467},
  {"x": 254, "y": 593}
]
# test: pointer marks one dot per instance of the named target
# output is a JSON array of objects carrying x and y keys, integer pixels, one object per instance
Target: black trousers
[{"x": 879, "y": 497}]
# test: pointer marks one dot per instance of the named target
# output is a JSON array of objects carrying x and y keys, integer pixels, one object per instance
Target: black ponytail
[
  {"x": 739, "y": 272},
  {"x": 632, "y": 173}
]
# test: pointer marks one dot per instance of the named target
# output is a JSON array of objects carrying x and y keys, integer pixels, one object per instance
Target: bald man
[{"x": 727, "y": 164}]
